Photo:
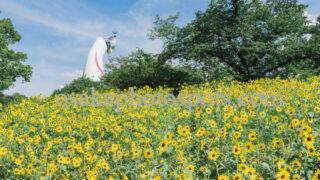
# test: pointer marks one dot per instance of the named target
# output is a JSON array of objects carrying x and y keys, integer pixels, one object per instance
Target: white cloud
[
  {"x": 132, "y": 30},
  {"x": 45, "y": 79},
  {"x": 311, "y": 17},
  {"x": 43, "y": 18},
  {"x": 72, "y": 75}
]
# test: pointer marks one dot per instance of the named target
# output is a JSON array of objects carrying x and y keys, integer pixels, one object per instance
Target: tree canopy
[
  {"x": 11, "y": 62},
  {"x": 251, "y": 38},
  {"x": 143, "y": 69},
  {"x": 80, "y": 85}
]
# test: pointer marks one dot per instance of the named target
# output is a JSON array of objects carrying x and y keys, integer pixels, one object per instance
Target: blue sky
[{"x": 57, "y": 35}]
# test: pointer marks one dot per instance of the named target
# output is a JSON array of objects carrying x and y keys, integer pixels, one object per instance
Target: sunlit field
[{"x": 43, "y": 139}]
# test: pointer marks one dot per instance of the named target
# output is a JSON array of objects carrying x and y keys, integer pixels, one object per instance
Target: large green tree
[
  {"x": 251, "y": 38},
  {"x": 143, "y": 69},
  {"x": 12, "y": 64}
]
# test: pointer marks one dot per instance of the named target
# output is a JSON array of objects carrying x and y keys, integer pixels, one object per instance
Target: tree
[
  {"x": 315, "y": 40},
  {"x": 14, "y": 98},
  {"x": 143, "y": 69},
  {"x": 251, "y": 38},
  {"x": 209, "y": 69},
  {"x": 80, "y": 85},
  {"x": 311, "y": 66},
  {"x": 11, "y": 62}
]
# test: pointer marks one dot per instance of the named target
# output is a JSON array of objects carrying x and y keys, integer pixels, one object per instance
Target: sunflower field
[{"x": 277, "y": 138}]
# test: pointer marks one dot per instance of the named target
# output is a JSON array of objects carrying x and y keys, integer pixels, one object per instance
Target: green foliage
[
  {"x": 301, "y": 70},
  {"x": 315, "y": 45},
  {"x": 143, "y": 69},
  {"x": 165, "y": 29},
  {"x": 252, "y": 39},
  {"x": 80, "y": 85},
  {"x": 11, "y": 62},
  {"x": 14, "y": 98},
  {"x": 212, "y": 69},
  {"x": 137, "y": 70}
]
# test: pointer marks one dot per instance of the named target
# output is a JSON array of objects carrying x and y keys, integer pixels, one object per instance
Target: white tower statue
[{"x": 95, "y": 68}]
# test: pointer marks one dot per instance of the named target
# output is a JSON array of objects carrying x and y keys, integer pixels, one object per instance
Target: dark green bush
[
  {"x": 80, "y": 85},
  {"x": 142, "y": 69}
]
